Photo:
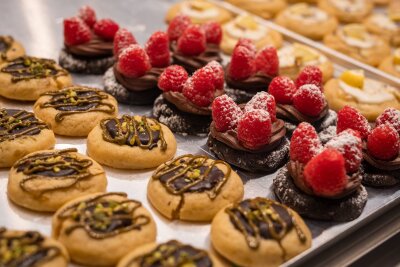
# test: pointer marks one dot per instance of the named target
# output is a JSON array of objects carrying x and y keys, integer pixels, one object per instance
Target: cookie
[
  {"x": 347, "y": 11},
  {"x": 377, "y": 177},
  {"x": 46, "y": 180},
  {"x": 10, "y": 49},
  {"x": 22, "y": 133},
  {"x": 391, "y": 64},
  {"x": 259, "y": 232},
  {"x": 100, "y": 229},
  {"x": 264, "y": 9},
  {"x": 26, "y": 78},
  {"x": 75, "y": 110},
  {"x": 31, "y": 248},
  {"x": 193, "y": 188},
  {"x": 131, "y": 142},
  {"x": 386, "y": 27}
]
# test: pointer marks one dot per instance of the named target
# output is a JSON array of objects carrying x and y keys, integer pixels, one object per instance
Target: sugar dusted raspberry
[
  {"x": 390, "y": 116},
  {"x": 193, "y": 41},
  {"x": 157, "y": 48},
  {"x": 248, "y": 44},
  {"x": 216, "y": 73},
  {"x": 383, "y": 143},
  {"x": 326, "y": 173},
  {"x": 106, "y": 29},
  {"x": 172, "y": 79},
  {"x": 310, "y": 75},
  {"x": 76, "y": 31},
  {"x": 309, "y": 100},
  {"x": 242, "y": 63},
  {"x": 88, "y": 15},
  {"x": 305, "y": 143},
  {"x": 283, "y": 89},
  {"x": 122, "y": 39},
  {"x": 267, "y": 61},
  {"x": 265, "y": 101},
  {"x": 200, "y": 88},
  {"x": 133, "y": 61},
  {"x": 213, "y": 32},
  {"x": 177, "y": 26},
  {"x": 225, "y": 113},
  {"x": 350, "y": 118},
  {"x": 254, "y": 129}
]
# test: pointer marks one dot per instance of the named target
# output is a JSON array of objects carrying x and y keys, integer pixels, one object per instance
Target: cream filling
[
  {"x": 287, "y": 57},
  {"x": 317, "y": 15},
  {"x": 374, "y": 92},
  {"x": 348, "y": 5},
  {"x": 368, "y": 41},
  {"x": 384, "y": 22},
  {"x": 238, "y": 33},
  {"x": 209, "y": 13}
]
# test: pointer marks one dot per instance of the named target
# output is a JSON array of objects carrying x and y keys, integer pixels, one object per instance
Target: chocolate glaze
[
  {"x": 95, "y": 48},
  {"x": 256, "y": 83},
  {"x": 290, "y": 113},
  {"x": 393, "y": 165},
  {"x": 147, "y": 82},
  {"x": 102, "y": 217},
  {"x": 5, "y": 44}
]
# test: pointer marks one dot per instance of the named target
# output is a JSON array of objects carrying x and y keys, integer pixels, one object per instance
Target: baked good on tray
[
  {"x": 193, "y": 188},
  {"x": 75, "y": 110},
  {"x": 259, "y": 232},
  {"x": 264, "y": 9},
  {"x": 22, "y": 133},
  {"x": 386, "y": 26},
  {"x": 30, "y": 248},
  {"x": 347, "y": 11},
  {"x": 10, "y": 48},
  {"x": 47, "y": 179},
  {"x": 249, "y": 137},
  {"x": 131, "y": 142},
  {"x": 88, "y": 43},
  {"x": 100, "y": 229},
  {"x": 391, "y": 64},
  {"x": 26, "y": 78},
  {"x": 323, "y": 182}
]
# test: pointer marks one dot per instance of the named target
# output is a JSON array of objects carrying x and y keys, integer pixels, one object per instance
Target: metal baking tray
[{"x": 38, "y": 25}]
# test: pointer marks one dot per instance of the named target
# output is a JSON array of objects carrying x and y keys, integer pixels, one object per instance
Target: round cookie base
[
  {"x": 378, "y": 178},
  {"x": 86, "y": 66}
]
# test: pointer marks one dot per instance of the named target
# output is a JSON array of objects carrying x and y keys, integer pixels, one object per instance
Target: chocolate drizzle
[
  {"x": 95, "y": 48},
  {"x": 27, "y": 68},
  {"x": 25, "y": 250},
  {"x": 290, "y": 113},
  {"x": 54, "y": 170},
  {"x": 15, "y": 123},
  {"x": 74, "y": 100},
  {"x": 102, "y": 217},
  {"x": 132, "y": 131},
  {"x": 5, "y": 44},
  {"x": 146, "y": 82}
]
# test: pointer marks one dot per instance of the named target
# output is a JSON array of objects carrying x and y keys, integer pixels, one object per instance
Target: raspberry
[
  {"x": 157, "y": 48},
  {"x": 200, "y": 88},
  {"x": 172, "y": 79},
  {"x": 217, "y": 73},
  {"x": 133, "y": 62},
  {"x": 76, "y": 31},
  {"x": 88, "y": 15},
  {"x": 264, "y": 101},
  {"x": 390, "y": 116},
  {"x": 123, "y": 38},
  {"x": 305, "y": 143},
  {"x": 349, "y": 144},
  {"x": 177, "y": 26},
  {"x": 254, "y": 129},
  {"x": 242, "y": 63},
  {"x": 267, "y": 61},
  {"x": 106, "y": 29},
  {"x": 213, "y": 32},
  {"x": 248, "y": 44},
  {"x": 225, "y": 113},
  {"x": 310, "y": 75},
  {"x": 383, "y": 143},
  {"x": 309, "y": 100},
  {"x": 350, "y": 118},
  {"x": 193, "y": 41},
  {"x": 283, "y": 89},
  {"x": 326, "y": 173}
]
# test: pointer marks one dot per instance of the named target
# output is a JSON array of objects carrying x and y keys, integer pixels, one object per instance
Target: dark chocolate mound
[
  {"x": 378, "y": 178},
  {"x": 85, "y": 65},
  {"x": 239, "y": 96}
]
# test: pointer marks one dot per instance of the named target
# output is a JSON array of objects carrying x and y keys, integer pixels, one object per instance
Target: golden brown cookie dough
[
  {"x": 75, "y": 110},
  {"x": 131, "y": 142},
  {"x": 199, "y": 11},
  {"x": 173, "y": 252},
  {"x": 46, "y": 180},
  {"x": 307, "y": 20},
  {"x": 100, "y": 229},
  {"x": 10, "y": 49},
  {"x": 284, "y": 233},
  {"x": 30, "y": 248},
  {"x": 347, "y": 11},
  {"x": 381, "y": 2},
  {"x": 383, "y": 26},
  {"x": 265, "y": 9},
  {"x": 26, "y": 78},
  {"x": 22, "y": 133},
  {"x": 391, "y": 64},
  {"x": 193, "y": 188},
  {"x": 302, "y": 1}
]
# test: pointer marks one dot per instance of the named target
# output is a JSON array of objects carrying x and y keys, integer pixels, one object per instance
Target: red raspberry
[
  {"x": 349, "y": 144},
  {"x": 133, "y": 62},
  {"x": 225, "y": 113},
  {"x": 213, "y": 32},
  {"x": 177, "y": 26},
  {"x": 106, "y": 29},
  {"x": 123, "y": 38},
  {"x": 310, "y": 75},
  {"x": 350, "y": 118},
  {"x": 309, "y": 100},
  {"x": 193, "y": 41},
  {"x": 267, "y": 61},
  {"x": 157, "y": 48},
  {"x": 383, "y": 143},
  {"x": 172, "y": 79},
  {"x": 390, "y": 116},
  {"x": 326, "y": 173},
  {"x": 248, "y": 44},
  {"x": 200, "y": 88},
  {"x": 242, "y": 64},
  {"x": 305, "y": 143},
  {"x": 76, "y": 31},
  {"x": 283, "y": 89},
  {"x": 88, "y": 15},
  {"x": 265, "y": 101},
  {"x": 217, "y": 73},
  {"x": 254, "y": 129}
]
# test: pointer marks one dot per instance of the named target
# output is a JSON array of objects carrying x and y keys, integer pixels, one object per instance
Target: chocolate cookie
[
  {"x": 86, "y": 65},
  {"x": 379, "y": 178}
]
